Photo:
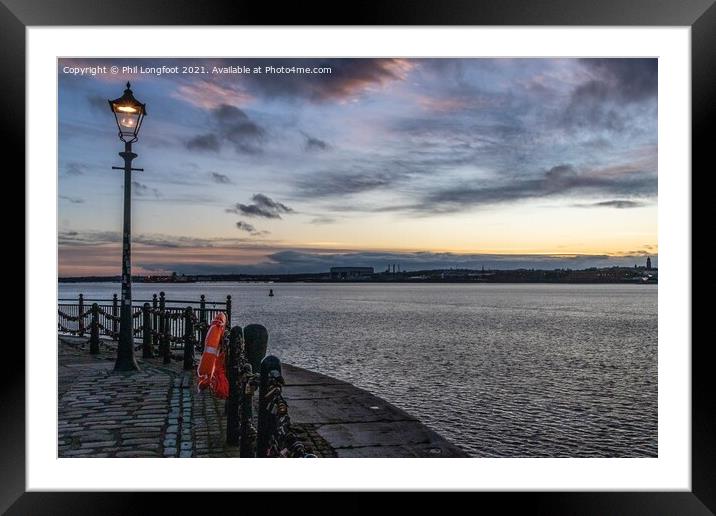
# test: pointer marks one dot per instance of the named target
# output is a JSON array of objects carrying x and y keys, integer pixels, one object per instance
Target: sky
[{"x": 424, "y": 163}]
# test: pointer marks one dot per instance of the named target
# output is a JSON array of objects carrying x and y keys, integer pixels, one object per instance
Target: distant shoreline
[{"x": 614, "y": 275}]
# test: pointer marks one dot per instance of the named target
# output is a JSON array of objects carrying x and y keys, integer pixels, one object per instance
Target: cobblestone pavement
[{"x": 155, "y": 412}]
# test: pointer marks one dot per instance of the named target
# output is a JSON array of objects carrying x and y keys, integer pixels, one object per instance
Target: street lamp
[{"x": 129, "y": 113}]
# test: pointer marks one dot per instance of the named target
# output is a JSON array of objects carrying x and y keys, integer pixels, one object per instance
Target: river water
[{"x": 526, "y": 370}]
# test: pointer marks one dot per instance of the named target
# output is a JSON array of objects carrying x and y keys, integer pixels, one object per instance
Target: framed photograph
[{"x": 440, "y": 249}]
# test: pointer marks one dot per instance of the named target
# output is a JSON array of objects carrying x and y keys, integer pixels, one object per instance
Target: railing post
[
  {"x": 147, "y": 344},
  {"x": 228, "y": 311},
  {"x": 270, "y": 368},
  {"x": 115, "y": 312},
  {"x": 232, "y": 374},
  {"x": 246, "y": 396},
  {"x": 94, "y": 330},
  {"x": 202, "y": 319},
  {"x": 155, "y": 316},
  {"x": 81, "y": 320},
  {"x": 60, "y": 319},
  {"x": 188, "y": 339},
  {"x": 163, "y": 330}
]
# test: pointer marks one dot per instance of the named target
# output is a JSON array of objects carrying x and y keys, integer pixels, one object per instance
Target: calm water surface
[{"x": 501, "y": 370}]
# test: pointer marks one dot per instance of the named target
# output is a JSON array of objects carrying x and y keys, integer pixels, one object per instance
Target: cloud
[
  {"x": 321, "y": 262},
  {"x": 614, "y": 85},
  {"x": 393, "y": 169},
  {"x": 83, "y": 250},
  {"x": 344, "y": 182},
  {"x": 73, "y": 200},
  {"x": 444, "y": 105},
  {"x": 348, "y": 78},
  {"x": 99, "y": 252},
  {"x": 322, "y": 219},
  {"x": 262, "y": 207},
  {"x": 221, "y": 179},
  {"x": 587, "y": 111},
  {"x": 142, "y": 190},
  {"x": 78, "y": 238},
  {"x": 300, "y": 261},
  {"x": 616, "y": 203},
  {"x": 249, "y": 228},
  {"x": 245, "y": 226},
  {"x": 233, "y": 127},
  {"x": 75, "y": 168},
  {"x": 314, "y": 144},
  {"x": 208, "y": 94},
  {"x": 98, "y": 103},
  {"x": 630, "y": 80},
  {"x": 414, "y": 182},
  {"x": 559, "y": 180},
  {"x": 85, "y": 238},
  {"x": 341, "y": 78},
  {"x": 236, "y": 127},
  {"x": 426, "y": 181},
  {"x": 204, "y": 142}
]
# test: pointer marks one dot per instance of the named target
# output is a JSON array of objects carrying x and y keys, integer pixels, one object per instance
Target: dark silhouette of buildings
[{"x": 344, "y": 273}]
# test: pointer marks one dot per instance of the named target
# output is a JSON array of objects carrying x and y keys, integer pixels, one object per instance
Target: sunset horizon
[{"x": 430, "y": 163}]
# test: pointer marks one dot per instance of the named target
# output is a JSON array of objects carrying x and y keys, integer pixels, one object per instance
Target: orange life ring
[{"x": 212, "y": 349}]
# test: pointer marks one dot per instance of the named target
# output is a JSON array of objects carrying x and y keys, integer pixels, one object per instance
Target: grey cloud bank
[
  {"x": 262, "y": 207},
  {"x": 291, "y": 262}
]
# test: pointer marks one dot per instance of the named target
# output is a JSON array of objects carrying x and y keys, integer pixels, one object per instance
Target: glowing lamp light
[{"x": 129, "y": 113}]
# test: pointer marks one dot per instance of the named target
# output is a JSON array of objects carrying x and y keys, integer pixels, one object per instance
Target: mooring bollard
[
  {"x": 147, "y": 344},
  {"x": 255, "y": 344},
  {"x": 270, "y": 369},
  {"x": 94, "y": 330},
  {"x": 256, "y": 339},
  {"x": 188, "y": 339},
  {"x": 232, "y": 374},
  {"x": 81, "y": 320},
  {"x": 115, "y": 313}
]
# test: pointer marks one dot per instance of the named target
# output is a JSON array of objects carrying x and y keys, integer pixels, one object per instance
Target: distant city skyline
[{"x": 426, "y": 163}]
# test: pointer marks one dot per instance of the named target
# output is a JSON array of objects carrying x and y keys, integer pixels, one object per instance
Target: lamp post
[{"x": 129, "y": 113}]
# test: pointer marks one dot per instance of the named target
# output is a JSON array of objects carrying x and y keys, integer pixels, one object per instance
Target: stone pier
[{"x": 158, "y": 413}]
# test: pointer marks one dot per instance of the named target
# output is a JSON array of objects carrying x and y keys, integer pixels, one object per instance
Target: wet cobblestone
[{"x": 155, "y": 412}]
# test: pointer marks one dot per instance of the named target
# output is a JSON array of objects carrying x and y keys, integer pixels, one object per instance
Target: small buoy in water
[{"x": 270, "y": 292}]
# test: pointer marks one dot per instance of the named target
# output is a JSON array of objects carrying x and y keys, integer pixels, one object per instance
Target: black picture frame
[{"x": 700, "y": 15}]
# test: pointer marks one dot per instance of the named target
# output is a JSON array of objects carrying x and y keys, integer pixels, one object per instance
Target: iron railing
[
  {"x": 246, "y": 350},
  {"x": 157, "y": 324},
  {"x": 167, "y": 322}
]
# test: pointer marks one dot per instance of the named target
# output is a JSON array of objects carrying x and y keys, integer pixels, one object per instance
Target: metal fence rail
[
  {"x": 165, "y": 325},
  {"x": 248, "y": 370},
  {"x": 157, "y": 326}
]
